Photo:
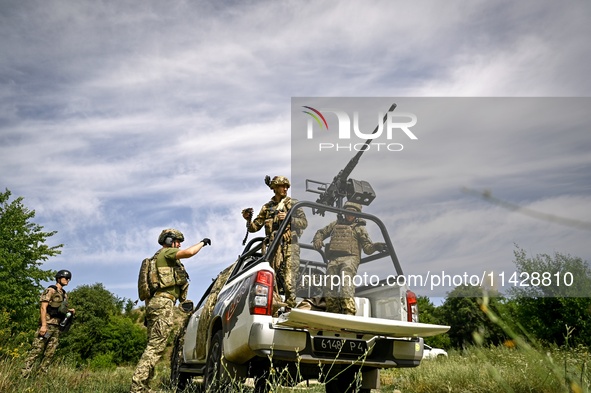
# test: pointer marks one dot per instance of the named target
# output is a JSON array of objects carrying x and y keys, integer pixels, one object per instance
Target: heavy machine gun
[{"x": 358, "y": 191}]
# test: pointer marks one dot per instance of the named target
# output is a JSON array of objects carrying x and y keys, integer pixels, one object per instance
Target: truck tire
[
  {"x": 215, "y": 378},
  {"x": 178, "y": 379}
]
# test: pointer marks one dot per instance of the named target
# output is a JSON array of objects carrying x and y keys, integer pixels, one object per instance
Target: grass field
[{"x": 475, "y": 370}]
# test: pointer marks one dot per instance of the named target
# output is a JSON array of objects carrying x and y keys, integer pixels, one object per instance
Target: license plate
[{"x": 339, "y": 346}]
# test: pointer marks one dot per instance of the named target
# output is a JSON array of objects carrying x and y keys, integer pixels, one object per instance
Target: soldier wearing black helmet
[
  {"x": 53, "y": 310},
  {"x": 286, "y": 259},
  {"x": 173, "y": 283}
]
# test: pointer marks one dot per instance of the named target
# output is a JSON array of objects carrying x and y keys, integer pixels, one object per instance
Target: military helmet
[
  {"x": 279, "y": 181},
  {"x": 352, "y": 206},
  {"x": 64, "y": 274},
  {"x": 168, "y": 235}
]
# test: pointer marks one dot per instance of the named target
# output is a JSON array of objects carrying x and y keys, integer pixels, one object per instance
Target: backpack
[
  {"x": 58, "y": 306},
  {"x": 147, "y": 282}
]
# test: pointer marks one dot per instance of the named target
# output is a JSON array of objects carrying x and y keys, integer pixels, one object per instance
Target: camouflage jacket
[
  {"x": 267, "y": 217},
  {"x": 359, "y": 236}
]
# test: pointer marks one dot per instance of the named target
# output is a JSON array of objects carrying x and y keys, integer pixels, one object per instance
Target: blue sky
[{"x": 120, "y": 119}]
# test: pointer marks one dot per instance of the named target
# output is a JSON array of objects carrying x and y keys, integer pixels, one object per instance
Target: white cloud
[{"x": 119, "y": 119}]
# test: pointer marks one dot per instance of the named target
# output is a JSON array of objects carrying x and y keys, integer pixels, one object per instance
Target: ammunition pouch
[
  {"x": 184, "y": 292},
  {"x": 172, "y": 276}
]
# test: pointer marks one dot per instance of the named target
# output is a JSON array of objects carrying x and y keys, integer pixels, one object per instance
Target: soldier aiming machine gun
[{"x": 358, "y": 191}]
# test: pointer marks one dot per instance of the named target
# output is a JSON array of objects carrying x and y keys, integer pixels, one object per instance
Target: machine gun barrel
[{"x": 336, "y": 190}]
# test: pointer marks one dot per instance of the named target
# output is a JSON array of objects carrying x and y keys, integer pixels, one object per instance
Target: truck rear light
[
  {"x": 412, "y": 309},
  {"x": 261, "y": 295}
]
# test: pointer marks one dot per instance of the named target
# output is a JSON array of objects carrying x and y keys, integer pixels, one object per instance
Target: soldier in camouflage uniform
[
  {"x": 348, "y": 237},
  {"x": 286, "y": 260},
  {"x": 54, "y": 306},
  {"x": 173, "y": 282}
]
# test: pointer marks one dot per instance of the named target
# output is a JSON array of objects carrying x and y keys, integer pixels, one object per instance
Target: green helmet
[
  {"x": 279, "y": 181},
  {"x": 352, "y": 206},
  {"x": 168, "y": 235}
]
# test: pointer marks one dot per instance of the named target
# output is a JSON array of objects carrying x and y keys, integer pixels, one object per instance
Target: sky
[
  {"x": 433, "y": 160},
  {"x": 118, "y": 120}
]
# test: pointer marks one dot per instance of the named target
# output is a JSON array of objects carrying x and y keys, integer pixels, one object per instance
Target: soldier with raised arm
[
  {"x": 286, "y": 259},
  {"x": 173, "y": 285}
]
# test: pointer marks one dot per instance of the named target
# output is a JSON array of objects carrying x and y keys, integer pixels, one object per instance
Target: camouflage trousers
[
  {"x": 339, "y": 289},
  {"x": 42, "y": 348},
  {"x": 160, "y": 321},
  {"x": 286, "y": 264}
]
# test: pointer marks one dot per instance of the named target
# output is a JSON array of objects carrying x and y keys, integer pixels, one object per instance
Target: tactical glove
[
  {"x": 318, "y": 245},
  {"x": 380, "y": 247},
  {"x": 206, "y": 242},
  {"x": 247, "y": 213}
]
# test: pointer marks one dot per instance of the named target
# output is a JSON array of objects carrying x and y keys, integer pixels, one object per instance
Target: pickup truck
[{"x": 245, "y": 338}]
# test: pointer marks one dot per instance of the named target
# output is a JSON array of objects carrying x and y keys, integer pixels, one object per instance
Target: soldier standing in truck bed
[
  {"x": 348, "y": 237},
  {"x": 286, "y": 260}
]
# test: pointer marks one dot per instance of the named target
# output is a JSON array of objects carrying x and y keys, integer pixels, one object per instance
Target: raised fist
[{"x": 247, "y": 213}]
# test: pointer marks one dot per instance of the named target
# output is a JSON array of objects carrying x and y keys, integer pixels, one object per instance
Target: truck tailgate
[{"x": 319, "y": 320}]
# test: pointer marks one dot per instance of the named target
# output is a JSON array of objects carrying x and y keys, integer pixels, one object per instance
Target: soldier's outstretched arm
[{"x": 194, "y": 249}]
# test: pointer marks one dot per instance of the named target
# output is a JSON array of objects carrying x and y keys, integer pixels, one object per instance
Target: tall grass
[
  {"x": 520, "y": 366},
  {"x": 63, "y": 377},
  {"x": 496, "y": 369},
  {"x": 473, "y": 370}
]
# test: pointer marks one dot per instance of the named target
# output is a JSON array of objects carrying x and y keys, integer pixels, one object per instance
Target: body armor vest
[{"x": 342, "y": 240}]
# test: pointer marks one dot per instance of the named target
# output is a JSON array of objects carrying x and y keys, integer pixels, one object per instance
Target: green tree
[
  {"x": 462, "y": 310},
  {"x": 552, "y": 296},
  {"x": 124, "y": 339},
  {"x": 101, "y": 331},
  {"x": 23, "y": 250},
  {"x": 429, "y": 313}
]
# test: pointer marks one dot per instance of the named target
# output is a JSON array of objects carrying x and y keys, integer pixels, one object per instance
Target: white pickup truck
[{"x": 244, "y": 339}]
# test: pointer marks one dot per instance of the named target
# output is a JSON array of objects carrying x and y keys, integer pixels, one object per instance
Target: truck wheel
[
  {"x": 215, "y": 376},
  {"x": 345, "y": 382},
  {"x": 178, "y": 379}
]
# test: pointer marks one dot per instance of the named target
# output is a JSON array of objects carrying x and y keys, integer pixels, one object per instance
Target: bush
[{"x": 102, "y": 362}]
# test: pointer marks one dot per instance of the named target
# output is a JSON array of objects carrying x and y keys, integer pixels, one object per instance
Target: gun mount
[{"x": 358, "y": 191}]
